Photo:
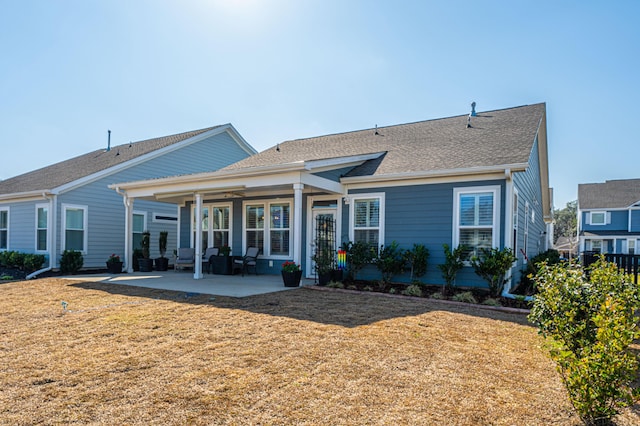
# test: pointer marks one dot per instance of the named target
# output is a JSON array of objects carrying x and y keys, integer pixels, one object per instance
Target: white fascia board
[
  {"x": 333, "y": 163},
  {"x": 322, "y": 183},
  {"x": 453, "y": 174},
  {"x": 240, "y": 140},
  {"x": 26, "y": 196},
  {"x": 151, "y": 155}
]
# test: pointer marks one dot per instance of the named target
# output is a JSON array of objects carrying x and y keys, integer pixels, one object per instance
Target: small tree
[
  {"x": 417, "y": 258},
  {"x": 145, "y": 243},
  {"x": 590, "y": 326},
  {"x": 390, "y": 261},
  {"x": 492, "y": 265},
  {"x": 358, "y": 255},
  {"x": 452, "y": 264},
  {"x": 162, "y": 242}
]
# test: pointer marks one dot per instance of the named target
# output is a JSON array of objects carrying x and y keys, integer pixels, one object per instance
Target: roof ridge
[{"x": 413, "y": 122}]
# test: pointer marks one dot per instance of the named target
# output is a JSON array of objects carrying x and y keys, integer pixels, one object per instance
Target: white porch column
[
  {"x": 297, "y": 222},
  {"x": 128, "y": 234},
  {"x": 197, "y": 266}
]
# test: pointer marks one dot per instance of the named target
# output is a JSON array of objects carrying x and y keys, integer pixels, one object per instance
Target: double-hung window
[
  {"x": 75, "y": 227},
  {"x": 42, "y": 213},
  {"x": 267, "y": 225},
  {"x": 476, "y": 218},
  {"x": 598, "y": 218},
  {"x": 205, "y": 227},
  {"x": 4, "y": 229},
  {"x": 367, "y": 219}
]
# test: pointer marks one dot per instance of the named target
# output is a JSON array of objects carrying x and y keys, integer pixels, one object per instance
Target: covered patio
[{"x": 218, "y": 285}]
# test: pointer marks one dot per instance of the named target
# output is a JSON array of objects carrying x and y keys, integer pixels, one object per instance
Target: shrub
[
  {"x": 590, "y": 325},
  {"x": 16, "y": 260},
  {"x": 335, "y": 284},
  {"x": 527, "y": 283},
  {"x": 390, "y": 261},
  {"x": 492, "y": 265},
  {"x": 452, "y": 264},
  {"x": 437, "y": 295},
  {"x": 33, "y": 262},
  {"x": 358, "y": 255},
  {"x": 413, "y": 290},
  {"x": 492, "y": 302},
  {"x": 71, "y": 261},
  {"x": 466, "y": 297},
  {"x": 416, "y": 258}
]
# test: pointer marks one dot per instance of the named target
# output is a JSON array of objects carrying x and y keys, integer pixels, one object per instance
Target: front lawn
[{"x": 125, "y": 355}]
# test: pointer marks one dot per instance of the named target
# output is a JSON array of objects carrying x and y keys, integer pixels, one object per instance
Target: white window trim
[
  {"x": 603, "y": 213},
  {"x": 211, "y": 230},
  {"x": 42, "y": 206},
  {"x": 85, "y": 225},
  {"x": 8, "y": 210},
  {"x": 352, "y": 214},
  {"x": 266, "y": 252},
  {"x": 495, "y": 228}
]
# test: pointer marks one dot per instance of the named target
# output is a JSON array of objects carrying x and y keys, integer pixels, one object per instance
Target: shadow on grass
[{"x": 326, "y": 307}]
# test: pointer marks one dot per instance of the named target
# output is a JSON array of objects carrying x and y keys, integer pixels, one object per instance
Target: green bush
[
  {"x": 390, "y": 261},
  {"x": 590, "y": 324},
  {"x": 527, "y": 282},
  {"x": 466, "y": 297},
  {"x": 24, "y": 261},
  {"x": 359, "y": 254},
  {"x": 71, "y": 261},
  {"x": 492, "y": 265},
  {"x": 413, "y": 290},
  {"x": 452, "y": 264},
  {"x": 16, "y": 260},
  {"x": 416, "y": 259},
  {"x": 33, "y": 262}
]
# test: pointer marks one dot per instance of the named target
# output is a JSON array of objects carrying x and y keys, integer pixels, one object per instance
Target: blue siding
[
  {"x": 527, "y": 184},
  {"x": 423, "y": 214},
  {"x": 106, "y": 210},
  {"x": 635, "y": 220},
  {"x": 334, "y": 175},
  {"x": 619, "y": 221}
]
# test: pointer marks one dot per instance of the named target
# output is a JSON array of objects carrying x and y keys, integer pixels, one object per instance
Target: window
[
  {"x": 221, "y": 224},
  {"x": 367, "y": 217},
  {"x": 476, "y": 223},
  {"x": 205, "y": 227},
  {"x": 139, "y": 225},
  {"x": 42, "y": 213},
  {"x": 515, "y": 222},
  {"x": 598, "y": 218},
  {"x": 525, "y": 244},
  {"x": 596, "y": 246},
  {"x": 268, "y": 227},
  {"x": 168, "y": 218},
  {"x": 4, "y": 229},
  {"x": 631, "y": 246},
  {"x": 75, "y": 228}
]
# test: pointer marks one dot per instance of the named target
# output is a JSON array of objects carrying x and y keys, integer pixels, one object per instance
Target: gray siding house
[
  {"x": 478, "y": 179},
  {"x": 609, "y": 216},
  {"x": 68, "y": 205}
]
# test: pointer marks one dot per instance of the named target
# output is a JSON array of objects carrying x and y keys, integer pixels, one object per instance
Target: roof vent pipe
[
  {"x": 473, "y": 109},
  {"x": 108, "y": 140}
]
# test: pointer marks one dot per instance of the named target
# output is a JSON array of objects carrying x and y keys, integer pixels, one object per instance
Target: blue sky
[{"x": 287, "y": 69}]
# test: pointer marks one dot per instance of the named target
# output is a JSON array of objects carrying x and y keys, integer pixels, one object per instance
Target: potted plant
[
  {"x": 137, "y": 254},
  {"x": 325, "y": 266},
  {"x": 114, "y": 264},
  {"x": 222, "y": 263},
  {"x": 291, "y": 274},
  {"x": 162, "y": 263},
  {"x": 145, "y": 262}
]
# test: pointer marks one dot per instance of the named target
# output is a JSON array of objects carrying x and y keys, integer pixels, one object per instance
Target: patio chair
[
  {"x": 210, "y": 251},
  {"x": 186, "y": 258},
  {"x": 250, "y": 259}
]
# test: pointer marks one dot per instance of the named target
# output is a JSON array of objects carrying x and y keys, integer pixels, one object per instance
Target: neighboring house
[
  {"x": 68, "y": 205},
  {"x": 567, "y": 247},
  {"x": 479, "y": 180},
  {"x": 609, "y": 216}
]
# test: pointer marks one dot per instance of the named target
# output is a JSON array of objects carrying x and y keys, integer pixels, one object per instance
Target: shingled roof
[
  {"x": 55, "y": 175},
  {"x": 611, "y": 194},
  {"x": 495, "y": 138}
]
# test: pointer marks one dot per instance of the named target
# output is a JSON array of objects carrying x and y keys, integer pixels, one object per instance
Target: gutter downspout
[{"x": 51, "y": 242}]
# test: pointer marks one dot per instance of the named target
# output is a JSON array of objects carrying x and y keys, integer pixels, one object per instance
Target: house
[
  {"x": 478, "y": 179},
  {"x": 609, "y": 216},
  {"x": 68, "y": 205}
]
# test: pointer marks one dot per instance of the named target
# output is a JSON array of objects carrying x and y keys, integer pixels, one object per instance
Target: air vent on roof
[
  {"x": 108, "y": 140},
  {"x": 473, "y": 109}
]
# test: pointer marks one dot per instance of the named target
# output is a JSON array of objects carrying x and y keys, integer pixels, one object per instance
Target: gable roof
[
  {"x": 495, "y": 138},
  {"x": 65, "y": 172},
  {"x": 613, "y": 194}
]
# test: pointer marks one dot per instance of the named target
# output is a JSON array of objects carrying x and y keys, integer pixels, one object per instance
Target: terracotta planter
[
  {"x": 291, "y": 279},
  {"x": 114, "y": 267}
]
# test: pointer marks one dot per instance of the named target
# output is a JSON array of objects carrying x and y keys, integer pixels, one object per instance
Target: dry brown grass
[{"x": 124, "y": 355}]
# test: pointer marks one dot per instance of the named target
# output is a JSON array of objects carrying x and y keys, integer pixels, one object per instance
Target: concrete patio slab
[{"x": 219, "y": 285}]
